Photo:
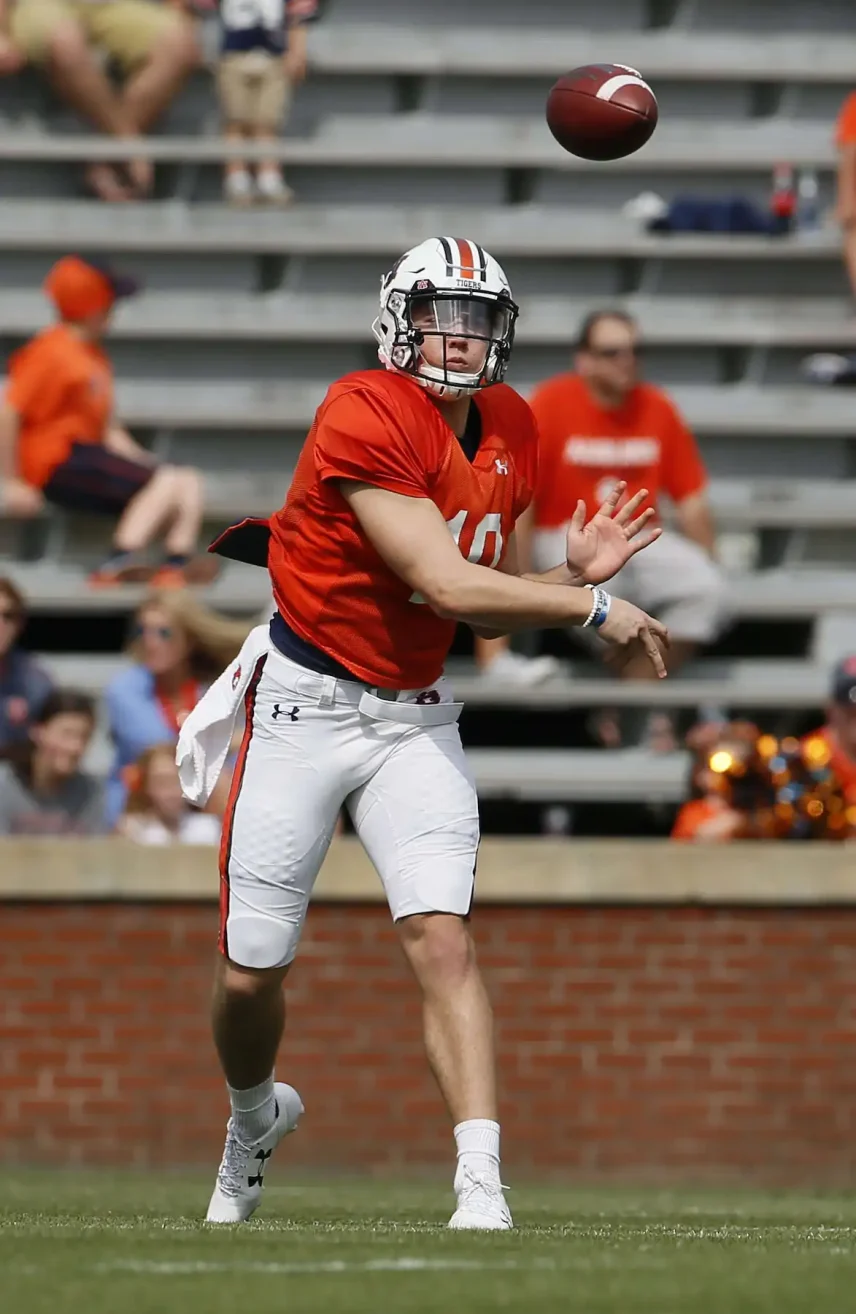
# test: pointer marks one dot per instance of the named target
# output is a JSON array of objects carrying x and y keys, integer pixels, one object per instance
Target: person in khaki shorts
[
  {"x": 153, "y": 44},
  {"x": 263, "y": 56}
]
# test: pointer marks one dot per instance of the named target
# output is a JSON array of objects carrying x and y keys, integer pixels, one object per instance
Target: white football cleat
[
  {"x": 240, "y": 1177},
  {"x": 481, "y": 1205}
]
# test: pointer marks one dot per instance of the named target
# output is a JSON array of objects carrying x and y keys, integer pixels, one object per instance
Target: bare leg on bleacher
[
  {"x": 79, "y": 79},
  {"x": 152, "y": 87},
  {"x": 173, "y": 497}
]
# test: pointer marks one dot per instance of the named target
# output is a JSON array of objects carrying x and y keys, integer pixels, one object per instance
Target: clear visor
[{"x": 464, "y": 317}]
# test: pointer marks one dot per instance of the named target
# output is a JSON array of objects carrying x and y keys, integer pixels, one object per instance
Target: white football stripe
[{"x": 609, "y": 88}]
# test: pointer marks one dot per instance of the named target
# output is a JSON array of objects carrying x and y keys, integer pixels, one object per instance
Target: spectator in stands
[
  {"x": 178, "y": 647},
  {"x": 156, "y": 811},
  {"x": 154, "y": 45},
  {"x": 42, "y": 788},
  {"x": 59, "y": 442},
  {"x": 262, "y": 60},
  {"x": 602, "y": 424},
  {"x": 845, "y": 140},
  {"x": 24, "y": 686},
  {"x": 710, "y": 813},
  {"x": 839, "y": 730}
]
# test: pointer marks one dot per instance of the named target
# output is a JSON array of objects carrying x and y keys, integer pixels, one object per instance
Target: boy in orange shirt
[
  {"x": 601, "y": 425},
  {"x": 59, "y": 443}
]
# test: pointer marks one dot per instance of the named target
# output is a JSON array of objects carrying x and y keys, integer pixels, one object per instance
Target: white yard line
[{"x": 404, "y": 1264}]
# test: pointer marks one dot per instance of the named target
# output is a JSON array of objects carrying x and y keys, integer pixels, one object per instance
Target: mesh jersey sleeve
[
  {"x": 525, "y": 430},
  {"x": 359, "y": 437}
]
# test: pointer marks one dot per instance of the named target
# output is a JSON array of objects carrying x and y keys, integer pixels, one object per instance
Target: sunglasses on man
[{"x": 614, "y": 353}]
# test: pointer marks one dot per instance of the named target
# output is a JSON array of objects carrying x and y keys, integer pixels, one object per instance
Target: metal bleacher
[{"x": 417, "y": 121}]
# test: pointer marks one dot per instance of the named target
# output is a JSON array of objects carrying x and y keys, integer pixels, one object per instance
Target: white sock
[
  {"x": 253, "y": 1111},
  {"x": 478, "y": 1146}
]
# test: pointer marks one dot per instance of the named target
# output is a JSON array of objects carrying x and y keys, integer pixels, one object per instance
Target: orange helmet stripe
[{"x": 467, "y": 260}]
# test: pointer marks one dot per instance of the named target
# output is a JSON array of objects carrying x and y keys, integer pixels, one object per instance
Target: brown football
[{"x": 602, "y": 111}]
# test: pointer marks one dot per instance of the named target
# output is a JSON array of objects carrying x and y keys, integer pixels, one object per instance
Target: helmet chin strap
[{"x": 444, "y": 391}]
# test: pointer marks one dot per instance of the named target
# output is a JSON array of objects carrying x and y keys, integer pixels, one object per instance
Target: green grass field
[{"x": 133, "y": 1244}]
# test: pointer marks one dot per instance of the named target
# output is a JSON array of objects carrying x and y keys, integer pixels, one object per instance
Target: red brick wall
[{"x": 667, "y": 1041}]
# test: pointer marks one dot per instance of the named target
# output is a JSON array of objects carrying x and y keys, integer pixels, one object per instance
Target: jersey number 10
[{"x": 489, "y": 524}]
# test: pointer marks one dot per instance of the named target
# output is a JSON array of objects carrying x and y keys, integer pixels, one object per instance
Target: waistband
[{"x": 329, "y": 688}]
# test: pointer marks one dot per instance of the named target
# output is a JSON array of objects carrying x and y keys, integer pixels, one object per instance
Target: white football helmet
[{"x": 446, "y": 288}]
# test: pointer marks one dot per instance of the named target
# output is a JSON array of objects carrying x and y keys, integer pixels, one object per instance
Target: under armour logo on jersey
[
  {"x": 501, "y": 466},
  {"x": 278, "y": 711},
  {"x": 427, "y": 696},
  {"x": 236, "y": 675}
]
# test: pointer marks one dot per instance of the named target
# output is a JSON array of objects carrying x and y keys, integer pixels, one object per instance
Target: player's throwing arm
[{"x": 414, "y": 541}]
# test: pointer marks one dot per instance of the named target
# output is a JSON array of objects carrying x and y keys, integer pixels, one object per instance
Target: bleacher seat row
[{"x": 407, "y": 126}]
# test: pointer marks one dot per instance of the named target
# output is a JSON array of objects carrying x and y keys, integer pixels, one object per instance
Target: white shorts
[
  {"x": 308, "y": 749},
  {"x": 674, "y": 580}
]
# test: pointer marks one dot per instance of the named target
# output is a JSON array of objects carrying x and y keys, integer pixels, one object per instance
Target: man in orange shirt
[
  {"x": 59, "y": 442},
  {"x": 601, "y": 425}
]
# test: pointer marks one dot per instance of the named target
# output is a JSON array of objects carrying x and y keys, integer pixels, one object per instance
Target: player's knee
[
  {"x": 248, "y": 983},
  {"x": 257, "y": 944},
  {"x": 439, "y": 946}
]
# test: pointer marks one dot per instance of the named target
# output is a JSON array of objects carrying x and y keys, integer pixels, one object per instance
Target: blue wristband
[{"x": 600, "y": 604}]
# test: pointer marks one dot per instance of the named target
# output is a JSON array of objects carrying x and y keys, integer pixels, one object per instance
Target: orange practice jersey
[
  {"x": 330, "y": 584},
  {"x": 62, "y": 389},
  {"x": 585, "y": 448}
]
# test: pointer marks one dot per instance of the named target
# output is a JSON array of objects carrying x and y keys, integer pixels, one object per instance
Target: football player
[{"x": 398, "y": 525}]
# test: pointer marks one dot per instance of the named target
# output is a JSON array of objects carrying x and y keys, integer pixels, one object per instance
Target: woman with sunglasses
[
  {"x": 178, "y": 648},
  {"x": 24, "y": 686}
]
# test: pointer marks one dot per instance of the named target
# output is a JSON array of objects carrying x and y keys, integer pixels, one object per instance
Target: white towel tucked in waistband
[{"x": 204, "y": 739}]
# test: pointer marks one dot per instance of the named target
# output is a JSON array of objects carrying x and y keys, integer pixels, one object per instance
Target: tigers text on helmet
[{"x": 446, "y": 317}]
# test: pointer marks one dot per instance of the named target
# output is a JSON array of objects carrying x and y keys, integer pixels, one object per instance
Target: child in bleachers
[
  {"x": 156, "y": 812},
  {"x": 43, "y": 790},
  {"x": 263, "y": 57}
]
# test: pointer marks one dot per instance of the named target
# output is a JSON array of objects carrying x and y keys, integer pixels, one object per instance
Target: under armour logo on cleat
[
  {"x": 277, "y": 711},
  {"x": 259, "y": 1179}
]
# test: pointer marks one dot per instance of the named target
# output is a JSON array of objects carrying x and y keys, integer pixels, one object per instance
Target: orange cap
[{"x": 80, "y": 288}]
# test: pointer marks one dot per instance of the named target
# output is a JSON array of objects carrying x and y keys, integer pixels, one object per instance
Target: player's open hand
[
  {"x": 632, "y": 630},
  {"x": 596, "y": 551}
]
